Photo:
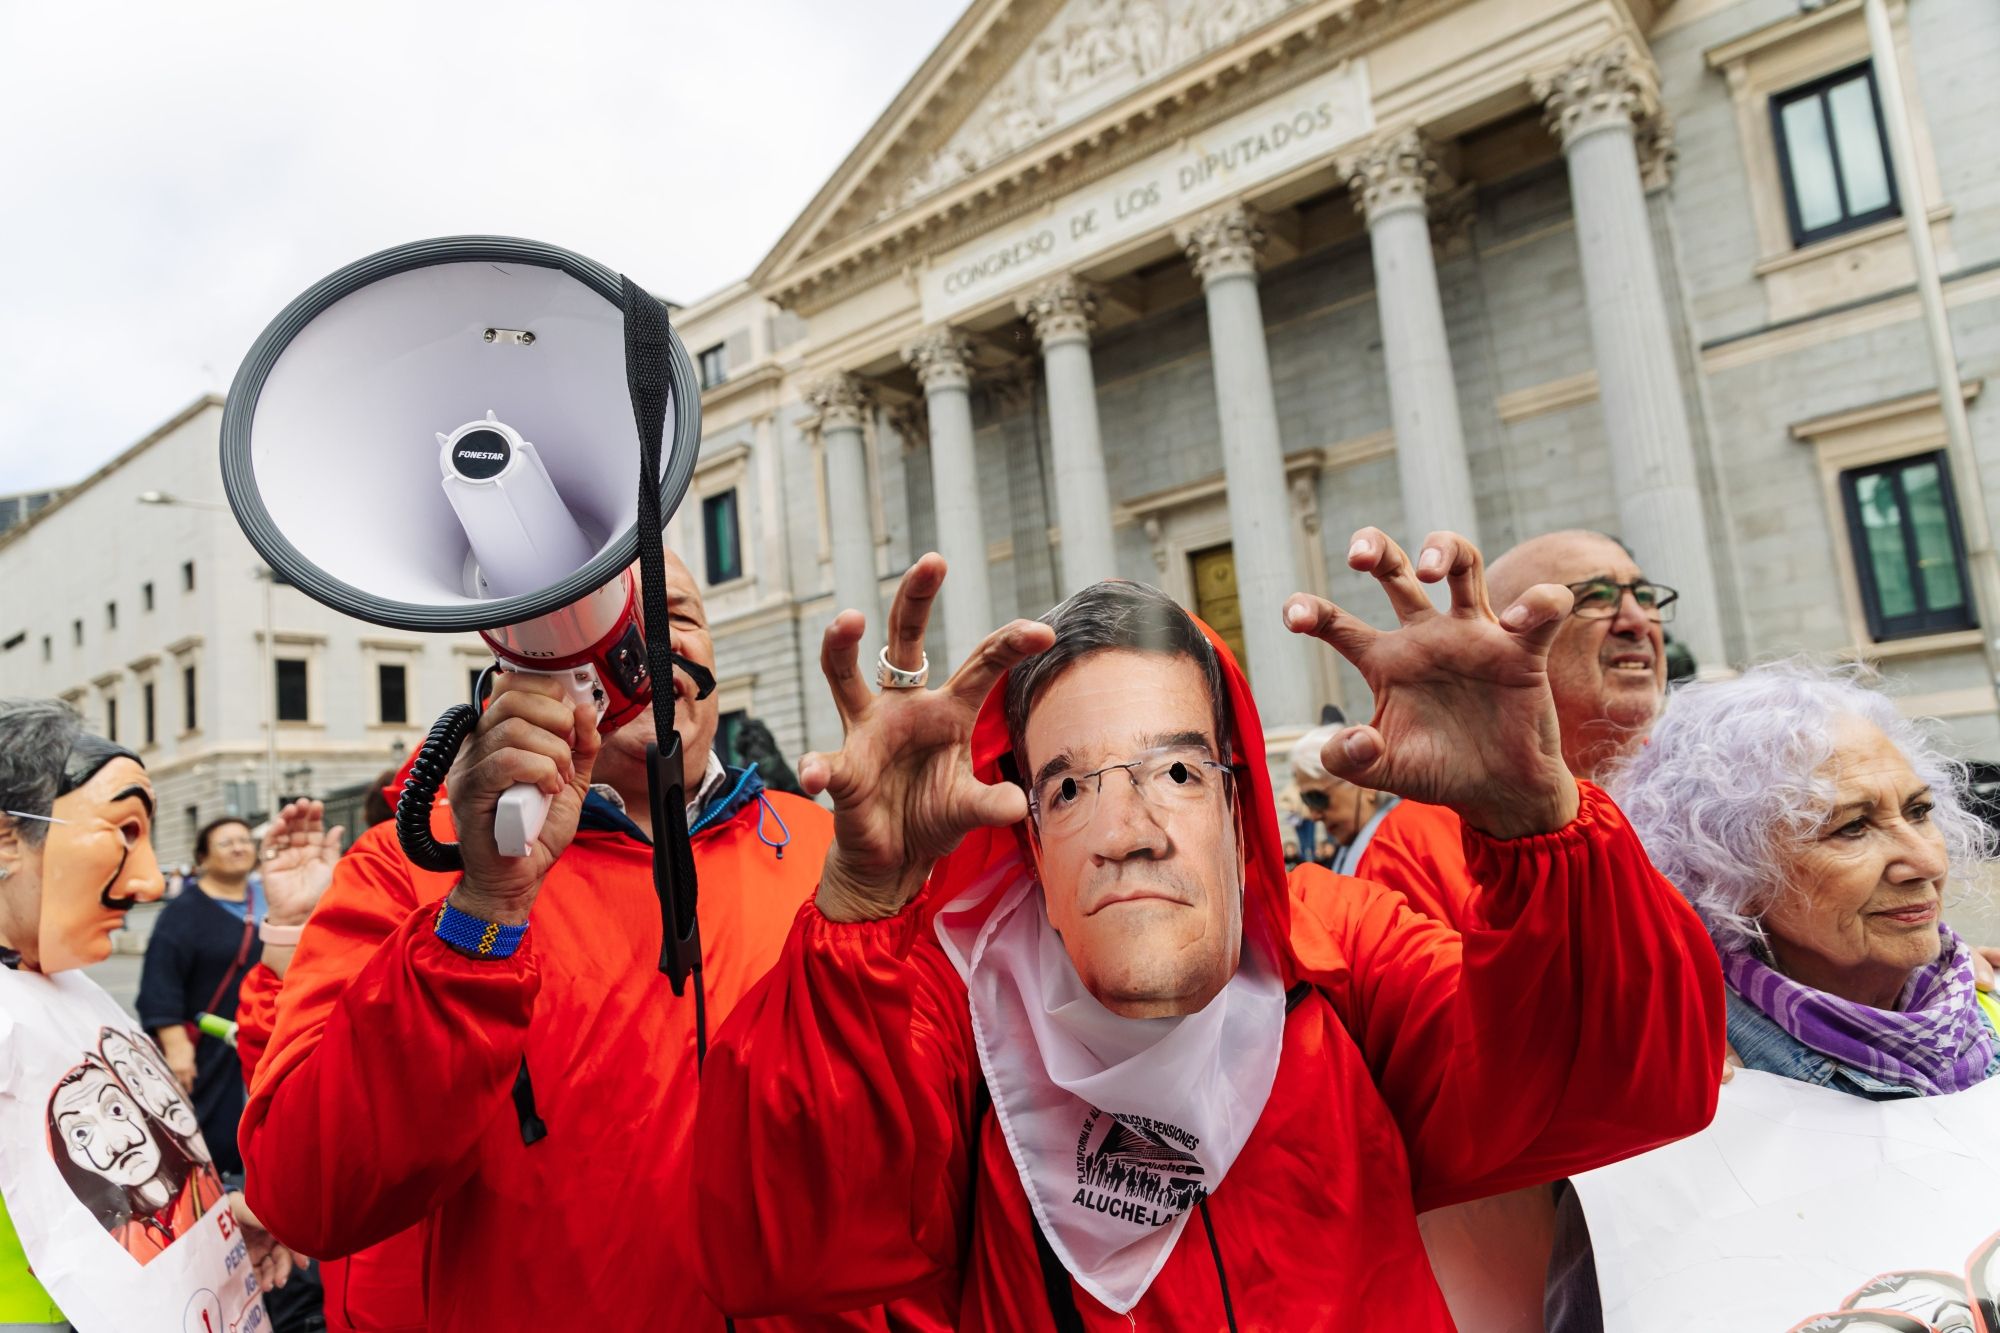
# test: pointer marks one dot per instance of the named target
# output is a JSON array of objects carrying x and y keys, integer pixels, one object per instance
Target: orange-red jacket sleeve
[
  {"x": 1576, "y": 1020},
  {"x": 1418, "y": 850},
  {"x": 256, "y": 1016},
  {"x": 392, "y": 1054},
  {"x": 836, "y": 1124}
]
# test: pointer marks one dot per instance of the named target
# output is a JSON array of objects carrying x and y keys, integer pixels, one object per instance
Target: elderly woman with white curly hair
[{"x": 1815, "y": 829}]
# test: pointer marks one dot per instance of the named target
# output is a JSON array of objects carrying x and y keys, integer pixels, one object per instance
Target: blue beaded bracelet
[{"x": 479, "y": 939}]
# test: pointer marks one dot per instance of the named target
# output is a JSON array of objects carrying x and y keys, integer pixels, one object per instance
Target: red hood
[{"x": 985, "y": 855}]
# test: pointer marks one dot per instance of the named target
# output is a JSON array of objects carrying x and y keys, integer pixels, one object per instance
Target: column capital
[
  {"x": 1063, "y": 309},
  {"x": 939, "y": 358},
  {"x": 1612, "y": 87},
  {"x": 1222, "y": 243},
  {"x": 1400, "y": 170},
  {"x": 839, "y": 400}
]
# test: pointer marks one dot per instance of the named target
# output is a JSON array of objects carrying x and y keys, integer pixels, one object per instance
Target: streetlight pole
[{"x": 1974, "y": 519}]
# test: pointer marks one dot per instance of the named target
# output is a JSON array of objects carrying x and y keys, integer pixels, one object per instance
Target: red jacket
[
  {"x": 1421, "y": 850},
  {"x": 387, "y": 1097},
  {"x": 850, "y": 1157},
  {"x": 379, "y": 1289}
]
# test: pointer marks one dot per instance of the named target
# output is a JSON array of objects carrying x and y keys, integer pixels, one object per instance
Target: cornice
[{"x": 1289, "y": 52}]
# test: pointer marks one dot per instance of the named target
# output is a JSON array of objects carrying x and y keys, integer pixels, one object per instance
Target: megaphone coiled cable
[{"x": 420, "y": 790}]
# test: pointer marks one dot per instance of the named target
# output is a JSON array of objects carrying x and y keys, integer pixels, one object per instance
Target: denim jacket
[{"x": 1768, "y": 1048}]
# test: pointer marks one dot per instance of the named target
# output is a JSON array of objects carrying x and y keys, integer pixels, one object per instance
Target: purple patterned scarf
[{"x": 1934, "y": 1040}]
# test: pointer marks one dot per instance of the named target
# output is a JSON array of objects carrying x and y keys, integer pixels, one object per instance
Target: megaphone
[{"x": 445, "y": 436}]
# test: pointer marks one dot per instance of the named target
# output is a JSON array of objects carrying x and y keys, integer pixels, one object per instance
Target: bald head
[
  {"x": 1570, "y": 556},
  {"x": 1608, "y": 675}
]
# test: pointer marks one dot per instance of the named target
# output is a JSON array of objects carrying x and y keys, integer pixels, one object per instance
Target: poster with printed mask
[
  {"x": 1804, "y": 1209},
  {"x": 106, "y": 1177}
]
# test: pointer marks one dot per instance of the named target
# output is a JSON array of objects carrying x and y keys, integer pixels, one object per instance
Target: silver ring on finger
[{"x": 889, "y": 676}]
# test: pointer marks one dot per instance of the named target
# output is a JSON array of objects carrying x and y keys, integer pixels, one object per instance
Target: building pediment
[
  {"x": 1088, "y": 56},
  {"x": 1026, "y": 97}
]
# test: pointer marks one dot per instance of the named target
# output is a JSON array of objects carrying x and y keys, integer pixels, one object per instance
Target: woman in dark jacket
[{"x": 202, "y": 945}]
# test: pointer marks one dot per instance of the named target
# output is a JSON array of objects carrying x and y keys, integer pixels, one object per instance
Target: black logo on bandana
[{"x": 1139, "y": 1170}]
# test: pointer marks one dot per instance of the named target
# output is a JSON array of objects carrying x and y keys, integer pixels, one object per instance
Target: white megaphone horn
[{"x": 449, "y": 436}]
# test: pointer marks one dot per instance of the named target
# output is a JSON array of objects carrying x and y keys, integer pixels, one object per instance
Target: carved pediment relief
[{"x": 1093, "y": 53}]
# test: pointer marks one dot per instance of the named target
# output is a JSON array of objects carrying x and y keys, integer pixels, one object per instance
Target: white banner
[
  {"x": 106, "y": 1176},
  {"x": 1801, "y": 1208}
]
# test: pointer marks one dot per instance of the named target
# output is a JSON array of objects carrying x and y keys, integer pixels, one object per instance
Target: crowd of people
[{"x": 1049, "y": 1012}]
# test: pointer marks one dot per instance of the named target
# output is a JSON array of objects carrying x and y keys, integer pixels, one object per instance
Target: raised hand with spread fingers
[
  {"x": 1463, "y": 713},
  {"x": 902, "y": 784}
]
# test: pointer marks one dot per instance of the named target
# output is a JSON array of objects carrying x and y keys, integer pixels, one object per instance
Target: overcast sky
[{"x": 172, "y": 174}]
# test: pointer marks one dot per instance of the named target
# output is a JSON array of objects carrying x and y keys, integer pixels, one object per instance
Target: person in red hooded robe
[{"x": 1057, "y": 1028}]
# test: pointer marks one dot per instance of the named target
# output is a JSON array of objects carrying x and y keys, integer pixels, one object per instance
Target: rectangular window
[
  {"x": 111, "y": 719},
  {"x": 472, "y": 691},
  {"x": 1908, "y": 556},
  {"x": 187, "y": 576},
  {"x": 1834, "y": 155},
  {"x": 111, "y": 615},
  {"x": 721, "y": 537},
  {"x": 392, "y": 686},
  {"x": 48, "y": 648},
  {"x": 293, "y": 704},
  {"x": 714, "y": 366},
  {"x": 150, "y": 708},
  {"x": 76, "y": 632},
  {"x": 187, "y": 698},
  {"x": 146, "y": 596}
]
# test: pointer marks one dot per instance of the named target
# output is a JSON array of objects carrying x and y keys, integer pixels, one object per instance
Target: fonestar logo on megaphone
[{"x": 441, "y": 437}]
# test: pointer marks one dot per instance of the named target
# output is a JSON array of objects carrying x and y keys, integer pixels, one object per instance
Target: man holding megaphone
[{"x": 527, "y": 1111}]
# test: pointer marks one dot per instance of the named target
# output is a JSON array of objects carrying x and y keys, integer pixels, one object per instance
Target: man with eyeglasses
[
  {"x": 1059, "y": 1035},
  {"x": 1607, "y": 670}
]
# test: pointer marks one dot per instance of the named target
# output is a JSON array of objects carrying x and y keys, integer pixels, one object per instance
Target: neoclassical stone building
[{"x": 1186, "y": 290}]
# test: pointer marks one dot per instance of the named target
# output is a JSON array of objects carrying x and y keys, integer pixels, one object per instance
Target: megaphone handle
[{"x": 524, "y": 807}]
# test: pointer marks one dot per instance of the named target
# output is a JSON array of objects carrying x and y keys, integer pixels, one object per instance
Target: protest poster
[
  {"x": 106, "y": 1177},
  {"x": 1805, "y": 1209}
]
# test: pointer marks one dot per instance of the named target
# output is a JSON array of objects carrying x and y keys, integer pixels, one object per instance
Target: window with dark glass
[
  {"x": 187, "y": 576},
  {"x": 76, "y": 632},
  {"x": 1909, "y": 558},
  {"x": 48, "y": 648},
  {"x": 146, "y": 595},
  {"x": 150, "y": 710},
  {"x": 292, "y": 698},
  {"x": 1834, "y": 155},
  {"x": 111, "y": 719},
  {"x": 392, "y": 685},
  {"x": 714, "y": 366},
  {"x": 111, "y": 615},
  {"x": 472, "y": 685},
  {"x": 187, "y": 698},
  {"x": 722, "y": 537}
]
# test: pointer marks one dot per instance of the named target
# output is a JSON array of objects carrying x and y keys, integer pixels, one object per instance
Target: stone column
[
  {"x": 1061, "y": 312},
  {"x": 1223, "y": 246},
  {"x": 1392, "y": 182},
  {"x": 1598, "y": 106},
  {"x": 939, "y": 360},
  {"x": 840, "y": 400}
]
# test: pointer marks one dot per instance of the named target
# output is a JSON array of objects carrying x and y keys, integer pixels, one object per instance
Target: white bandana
[{"x": 1118, "y": 1126}]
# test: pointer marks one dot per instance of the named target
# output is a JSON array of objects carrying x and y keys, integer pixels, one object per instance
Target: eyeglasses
[
  {"x": 1599, "y": 599},
  {"x": 1171, "y": 778},
  {"x": 129, "y": 832}
]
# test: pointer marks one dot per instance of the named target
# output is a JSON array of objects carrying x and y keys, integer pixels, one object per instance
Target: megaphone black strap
[{"x": 647, "y": 344}]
